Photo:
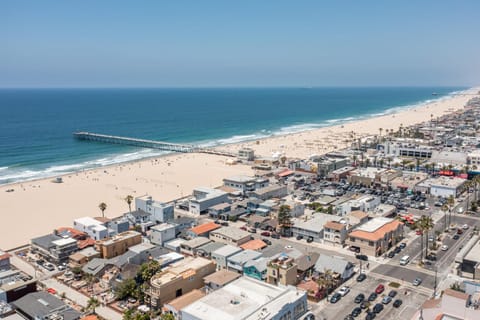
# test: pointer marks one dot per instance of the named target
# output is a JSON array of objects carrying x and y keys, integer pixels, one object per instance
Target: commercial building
[
  {"x": 204, "y": 198},
  {"x": 94, "y": 228},
  {"x": 376, "y": 236},
  {"x": 282, "y": 270},
  {"x": 245, "y": 183},
  {"x": 54, "y": 248},
  {"x": 444, "y": 186},
  {"x": 161, "y": 212},
  {"x": 178, "y": 279},
  {"x": 271, "y": 191},
  {"x": 173, "y": 307},
  {"x": 162, "y": 233},
  {"x": 221, "y": 255},
  {"x": 230, "y": 235},
  {"x": 248, "y": 299},
  {"x": 367, "y": 176},
  {"x": 118, "y": 244}
]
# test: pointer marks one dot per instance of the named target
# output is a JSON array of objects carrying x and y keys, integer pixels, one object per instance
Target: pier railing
[{"x": 152, "y": 144}]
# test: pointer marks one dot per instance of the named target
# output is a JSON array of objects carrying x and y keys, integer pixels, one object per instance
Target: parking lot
[{"x": 340, "y": 310}]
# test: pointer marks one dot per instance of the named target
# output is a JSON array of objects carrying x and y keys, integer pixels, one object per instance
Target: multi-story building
[
  {"x": 4, "y": 260},
  {"x": 118, "y": 244},
  {"x": 237, "y": 261},
  {"x": 54, "y": 248},
  {"x": 230, "y": 235},
  {"x": 282, "y": 270},
  {"x": 376, "y": 236},
  {"x": 180, "y": 278},
  {"x": 94, "y": 228},
  {"x": 204, "y": 198},
  {"x": 220, "y": 256},
  {"x": 245, "y": 183},
  {"x": 161, "y": 212},
  {"x": 246, "y": 154},
  {"x": 335, "y": 232},
  {"x": 256, "y": 269},
  {"x": 249, "y": 299},
  {"x": 162, "y": 233}
]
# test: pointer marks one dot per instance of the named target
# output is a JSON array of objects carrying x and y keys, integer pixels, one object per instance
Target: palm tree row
[{"x": 425, "y": 224}]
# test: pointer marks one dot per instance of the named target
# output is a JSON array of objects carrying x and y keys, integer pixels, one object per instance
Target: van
[{"x": 405, "y": 260}]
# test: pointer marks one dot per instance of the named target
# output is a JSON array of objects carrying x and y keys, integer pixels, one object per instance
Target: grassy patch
[{"x": 394, "y": 284}]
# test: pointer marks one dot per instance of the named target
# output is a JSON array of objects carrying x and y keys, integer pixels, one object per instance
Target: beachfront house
[
  {"x": 54, "y": 248},
  {"x": 162, "y": 233},
  {"x": 160, "y": 212},
  {"x": 204, "y": 198},
  {"x": 245, "y": 183},
  {"x": 93, "y": 227}
]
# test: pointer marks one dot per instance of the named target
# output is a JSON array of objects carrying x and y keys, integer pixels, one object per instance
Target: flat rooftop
[
  {"x": 374, "y": 224},
  {"x": 119, "y": 237},
  {"x": 474, "y": 253}
]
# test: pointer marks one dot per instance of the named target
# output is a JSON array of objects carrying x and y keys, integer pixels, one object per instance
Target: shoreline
[
  {"x": 228, "y": 146},
  {"x": 38, "y": 206}
]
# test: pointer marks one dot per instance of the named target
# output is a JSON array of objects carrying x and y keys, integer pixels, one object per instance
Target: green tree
[
  {"x": 129, "y": 200},
  {"x": 450, "y": 203},
  {"x": 426, "y": 224},
  {"x": 147, "y": 270},
  {"x": 102, "y": 206},
  {"x": 167, "y": 316},
  {"x": 126, "y": 289},
  {"x": 92, "y": 304},
  {"x": 284, "y": 218}
]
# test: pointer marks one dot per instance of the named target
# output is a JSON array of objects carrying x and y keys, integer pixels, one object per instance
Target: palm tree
[
  {"x": 419, "y": 227},
  {"x": 426, "y": 225},
  {"x": 450, "y": 203},
  {"x": 129, "y": 200},
  {"x": 92, "y": 304},
  {"x": 445, "y": 209},
  {"x": 326, "y": 281},
  {"x": 102, "y": 206}
]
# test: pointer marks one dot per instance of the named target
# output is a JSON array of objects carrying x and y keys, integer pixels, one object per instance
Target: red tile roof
[
  {"x": 255, "y": 244},
  {"x": 377, "y": 234},
  {"x": 204, "y": 228}
]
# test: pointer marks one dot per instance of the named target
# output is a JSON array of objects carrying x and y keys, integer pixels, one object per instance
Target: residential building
[
  {"x": 190, "y": 247},
  {"x": 162, "y": 233},
  {"x": 139, "y": 217},
  {"x": 313, "y": 290},
  {"x": 245, "y": 183},
  {"x": 80, "y": 258},
  {"x": 282, "y": 270},
  {"x": 206, "y": 250},
  {"x": 268, "y": 192},
  {"x": 335, "y": 232},
  {"x": 473, "y": 158},
  {"x": 376, "y": 236},
  {"x": 175, "y": 244},
  {"x": 204, "y": 198},
  {"x": 118, "y": 244},
  {"x": 220, "y": 256},
  {"x": 216, "y": 210},
  {"x": 43, "y": 305},
  {"x": 256, "y": 269},
  {"x": 237, "y": 261},
  {"x": 160, "y": 212},
  {"x": 364, "y": 203},
  {"x": 94, "y": 228},
  {"x": 54, "y": 248},
  {"x": 4, "y": 260},
  {"x": 14, "y": 285},
  {"x": 452, "y": 305},
  {"x": 248, "y": 299},
  {"x": 220, "y": 278},
  {"x": 305, "y": 264},
  {"x": 178, "y": 279},
  {"x": 167, "y": 259},
  {"x": 173, "y": 307},
  {"x": 202, "y": 230},
  {"x": 266, "y": 208},
  {"x": 255, "y": 244},
  {"x": 343, "y": 268},
  {"x": 230, "y": 235},
  {"x": 246, "y": 154},
  {"x": 312, "y": 227}
]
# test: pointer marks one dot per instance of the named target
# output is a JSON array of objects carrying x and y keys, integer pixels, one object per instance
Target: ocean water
[{"x": 36, "y": 125}]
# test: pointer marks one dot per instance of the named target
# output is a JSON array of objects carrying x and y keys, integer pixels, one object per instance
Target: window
[{"x": 370, "y": 243}]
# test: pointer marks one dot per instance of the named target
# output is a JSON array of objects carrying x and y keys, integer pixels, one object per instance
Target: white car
[
  {"x": 444, "y": 247},
  {"x": 465, "y": 227},
  {"x": 344, "y": 290}
]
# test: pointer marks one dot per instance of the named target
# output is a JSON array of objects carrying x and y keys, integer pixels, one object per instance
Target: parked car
[
  {"x": 397, "y": 250},
  {"x": 380, "y": 288},
  {"x": 49, "y": 266},
  {"x": 386, "y": 300},
  {"x": 444, "y": 247},
  {"x": 361, "y": 277},
  {"x": 397, "y": 303},
  {"x": 267, "y": 241},
  {"x": 360, "y": 298},
  {"x": 310, "y": 239},
  {"x": 299, "y": 237},
  {"x": 354, "y": 249},
  {"x": 465, "y": 226},
  {"x": 392, "y": 293},
  {"x": 417, "y": 282},
  {"x": 356, "y": 312},
  {"x": 344, "y": 290},
  {"x": 334, "y": 299},
  {"x": 372, "y": 296},
  {"x": 456, "y": 237},
  {"x": 403, "y": 245},
  {"x": 431, "y": 256},
  {"x": 361, "y": 257},
  {"x": 391, "y": 254},
  {"x": 370, "y": 316},
  {"x": 275, "y": 236},
  {"x": 459, "y": 231},
  {"x": 378, "y": 308},
  {"x": 265, "y": 234}
]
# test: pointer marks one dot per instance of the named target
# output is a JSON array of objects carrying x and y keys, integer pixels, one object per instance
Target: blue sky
[{"x": 205, "y": 43}]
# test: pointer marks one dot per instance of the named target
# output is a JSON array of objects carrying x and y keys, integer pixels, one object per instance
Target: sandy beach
[{"x": 37, "y": 207}]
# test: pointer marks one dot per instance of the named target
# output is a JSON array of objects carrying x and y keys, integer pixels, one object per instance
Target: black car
[
  {"x": 456, "y": 237},
  {"x": 392, "y": 294},
  {"x": 397, "y": 250},
  {"x": 309, "y": 239},
  {"x": 361, "y": 277},
  {"x": 397, "y": 303},
  {"x": 361, "y": 257},
  {"x": 360, "y": 298},
  {"x": 402, "y": 245},
  {"x": 334, "y": 299},
  {"x": 370, "y": 316},
  {"x": 356, "y": 311},
  {"x": 275, "y": 236},
  {"x": 378, "y": 308},
  {"x": 431, "y": 257},
  {"x": 267, "y": 241},
  {"x": 391, "y": 254},
  {"x": 372, "y": 296},
  {"x": 299, "y": 237}
]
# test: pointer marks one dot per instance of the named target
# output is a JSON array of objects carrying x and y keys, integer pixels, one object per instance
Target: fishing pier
[{"x": 152, "y": 144}]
